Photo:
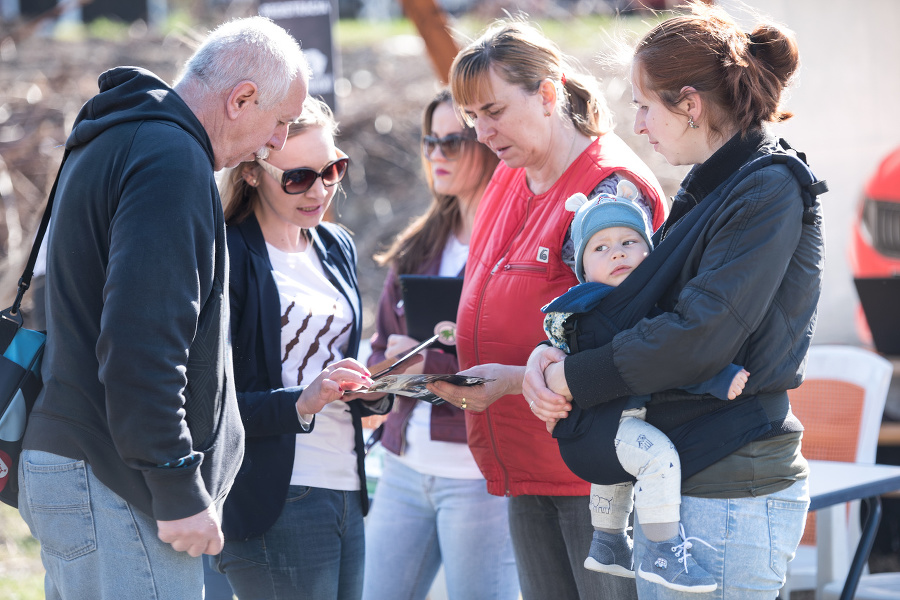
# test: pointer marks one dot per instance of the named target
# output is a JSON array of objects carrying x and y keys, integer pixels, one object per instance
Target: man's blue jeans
[
  {"x": 94, "y": 545},
  {"x": 316, "y": 549}
]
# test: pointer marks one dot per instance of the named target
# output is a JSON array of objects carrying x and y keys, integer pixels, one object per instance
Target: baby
[{"x": 612, "y": 237}]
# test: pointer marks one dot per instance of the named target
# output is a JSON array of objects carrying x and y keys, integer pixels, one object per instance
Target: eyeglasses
[
  {"x": 298, "y": 181},
  {"x": 450, "y": 145}
]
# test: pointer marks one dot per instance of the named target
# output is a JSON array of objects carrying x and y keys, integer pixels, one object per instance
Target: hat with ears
[{"x": 603, "y": 212}]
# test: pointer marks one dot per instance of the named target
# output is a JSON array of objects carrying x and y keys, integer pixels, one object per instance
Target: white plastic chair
[{"x": 840, "y": 404}]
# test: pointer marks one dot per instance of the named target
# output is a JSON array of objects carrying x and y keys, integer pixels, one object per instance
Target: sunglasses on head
[
  {"x": 450, "y": 145},
  {"x": 298, "y": 181}
]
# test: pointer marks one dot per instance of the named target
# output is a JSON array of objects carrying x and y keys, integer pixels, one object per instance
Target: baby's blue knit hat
[{"x": 603, "y": 212}]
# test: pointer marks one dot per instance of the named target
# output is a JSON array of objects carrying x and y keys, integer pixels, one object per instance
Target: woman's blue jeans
[
  {"x": 316, "y": 549},
  {"x": 752, "y": 539},
  {"x": 418, "y": 521}
]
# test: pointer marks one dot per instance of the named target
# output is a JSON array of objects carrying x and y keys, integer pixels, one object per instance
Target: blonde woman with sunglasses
[
  {"x": 431, "y": 506},
  {"x": 293, "y": 521}
]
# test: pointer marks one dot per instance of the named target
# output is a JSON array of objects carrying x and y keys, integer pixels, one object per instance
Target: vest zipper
[
  {"x": 487, "y": 280},
  {"x": 534, "y": 268}
]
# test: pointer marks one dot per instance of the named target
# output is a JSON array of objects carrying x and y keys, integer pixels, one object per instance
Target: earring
[
  {"x": 253, "y": 182},
  {"x": 691, "y": 123}
]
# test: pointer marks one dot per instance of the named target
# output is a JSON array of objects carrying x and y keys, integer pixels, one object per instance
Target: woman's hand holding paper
[{"x": 505, "y": 380}]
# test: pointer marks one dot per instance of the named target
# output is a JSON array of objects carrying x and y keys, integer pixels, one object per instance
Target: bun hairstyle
[
  {"x": 524, "y": 57},
  {"x": 740, "y": 76}
]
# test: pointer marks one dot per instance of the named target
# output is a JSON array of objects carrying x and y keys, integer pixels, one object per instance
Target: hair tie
[
  {"x": 563, "y": 79},
  {"x": 751, "y": 44}
]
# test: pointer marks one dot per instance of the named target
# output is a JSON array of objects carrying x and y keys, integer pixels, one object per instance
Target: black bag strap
[
  {"x": 638, "y": 294},
  {"x": 811, "y": 187},
  {"x": 11, "y": 318},
  {"x": 374, "y": 438}
]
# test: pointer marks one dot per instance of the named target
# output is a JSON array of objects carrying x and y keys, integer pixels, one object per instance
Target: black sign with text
[{"x": 311, "y": 23}]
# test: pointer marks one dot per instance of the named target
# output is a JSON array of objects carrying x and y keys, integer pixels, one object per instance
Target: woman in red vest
[{"x": 546, "y": 120}]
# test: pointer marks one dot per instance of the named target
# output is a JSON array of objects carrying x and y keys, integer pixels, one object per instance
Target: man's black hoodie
[{"x": 137, "y": 371}]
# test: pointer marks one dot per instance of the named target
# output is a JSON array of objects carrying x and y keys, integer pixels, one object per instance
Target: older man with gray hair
[{"x": 136, "y": 437}]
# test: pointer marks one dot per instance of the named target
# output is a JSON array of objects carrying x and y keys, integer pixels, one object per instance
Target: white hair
[{"x": 254, "y": 49}]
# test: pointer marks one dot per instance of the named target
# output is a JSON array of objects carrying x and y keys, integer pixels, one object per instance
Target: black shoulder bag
[{"x": 20, "y": 369}]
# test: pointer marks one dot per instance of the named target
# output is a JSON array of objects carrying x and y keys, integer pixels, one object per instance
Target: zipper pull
[{"x": 497, "y": 266}]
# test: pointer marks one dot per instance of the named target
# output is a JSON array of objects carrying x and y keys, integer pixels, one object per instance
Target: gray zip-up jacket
[{"x": 137, "y": 370}]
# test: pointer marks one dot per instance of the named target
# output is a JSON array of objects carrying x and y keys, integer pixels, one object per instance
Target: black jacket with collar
[
  {"x": 747, "y": 294},
  {"x": 267, "y": 408}
]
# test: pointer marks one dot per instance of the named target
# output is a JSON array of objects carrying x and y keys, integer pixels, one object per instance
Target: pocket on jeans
[
  {"x": 237, "y": 553},
  {"x": 786, "y": 523},
  {"x": 59, "y": 503},
  {"x": 297, "y": 493}
]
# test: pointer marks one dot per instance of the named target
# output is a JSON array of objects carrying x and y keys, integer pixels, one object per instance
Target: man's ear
[{"x": 242, "y": 95}]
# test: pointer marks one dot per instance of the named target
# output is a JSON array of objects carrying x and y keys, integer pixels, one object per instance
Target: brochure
[{"x": 414, "y": 385}]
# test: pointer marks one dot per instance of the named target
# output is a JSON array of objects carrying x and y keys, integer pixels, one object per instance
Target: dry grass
[{"x": 21, "y": 572}]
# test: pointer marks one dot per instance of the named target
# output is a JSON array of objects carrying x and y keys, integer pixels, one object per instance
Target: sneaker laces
[{"x": 681, "y": 550}]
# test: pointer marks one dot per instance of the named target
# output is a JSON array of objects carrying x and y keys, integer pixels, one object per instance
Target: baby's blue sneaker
[
  {"x": 611, "y": 553},
  {"x": 670, "y": 564}
]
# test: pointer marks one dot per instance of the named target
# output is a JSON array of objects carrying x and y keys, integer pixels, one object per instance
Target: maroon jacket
[{"x": 448, "y": 423}]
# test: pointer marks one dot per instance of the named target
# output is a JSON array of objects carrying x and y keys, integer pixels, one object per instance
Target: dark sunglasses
[
  {"x": 450, "y": 145},
  {"x": 298, "y": 181}
]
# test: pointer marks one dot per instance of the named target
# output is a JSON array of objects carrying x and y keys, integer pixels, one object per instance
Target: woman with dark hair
[
  {"x": 293, "y": 521},
  {"x": 431, "y": 505},
  {"x": 706, "y": 92}
]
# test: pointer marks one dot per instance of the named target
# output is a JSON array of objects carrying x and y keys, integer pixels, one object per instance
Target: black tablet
[{"x": 427, "y": 301}]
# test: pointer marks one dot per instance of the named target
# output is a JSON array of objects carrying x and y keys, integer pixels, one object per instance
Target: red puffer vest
[{"x": 514, "y": 268}]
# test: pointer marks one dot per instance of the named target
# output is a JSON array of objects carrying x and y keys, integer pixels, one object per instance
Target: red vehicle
[{"x": 874, "y": 255}]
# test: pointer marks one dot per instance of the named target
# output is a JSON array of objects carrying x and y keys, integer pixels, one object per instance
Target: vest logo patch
[{"x": 543, "y": 254}]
